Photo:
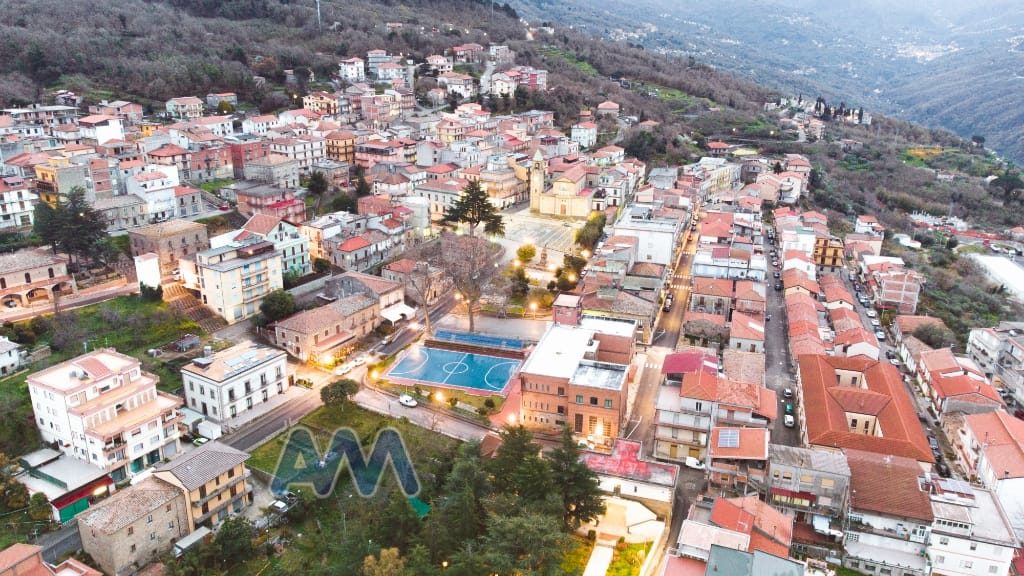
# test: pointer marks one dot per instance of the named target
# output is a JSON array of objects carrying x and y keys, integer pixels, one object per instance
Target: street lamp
[
  {"x": 533, "y": 309},
  {"x": 572, "y": 277},
  {"x": 585, "y": 254},
  {"x": 444, "y": 564}
]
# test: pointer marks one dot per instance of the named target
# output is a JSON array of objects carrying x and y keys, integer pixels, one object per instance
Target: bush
[
  {"x": 526, "y": 252},
  {"x": 489, "y": 403},
  {"x": 149, "y": 294}
]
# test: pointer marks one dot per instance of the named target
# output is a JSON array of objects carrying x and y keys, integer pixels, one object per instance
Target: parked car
[
  {"x": 787, "y": 393},
  {"x": 407, "y": 401},
  {"x": 891, "y": 354},
  {"x": 880, "y": 335},
  {"x": 943, "y": 469},
  {"x": 695, "y": 463},
  {"x": 767, "y": 317},
  {"x": 778, "y": 285},
  {"x": 871, "y": 314},
  {"x": 775, "y": 274},
  {"x": 789, "y": 408},
  {"x": 876, "y": 323},
  {"x": 668, "y": 304},
  {"x": 343, "y": 369},
  {"x": 199, "y": 441},
  {"x": 933, "y": 442},
  {"x": 359, "y": 360},
  {"x": 788, "y": 421}
]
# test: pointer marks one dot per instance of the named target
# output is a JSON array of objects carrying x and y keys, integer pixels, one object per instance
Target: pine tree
[
  {"x": 317, "y": 186},
  {"x": 578, "y": 485},
  {"x": 473, "y": 208}
]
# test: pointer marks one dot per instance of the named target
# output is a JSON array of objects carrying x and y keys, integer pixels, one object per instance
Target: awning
[{"x": 398, "y": 312}]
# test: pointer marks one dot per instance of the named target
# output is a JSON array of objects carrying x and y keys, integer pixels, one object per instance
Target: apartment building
[
  {"x": 184, "y": 108},
  {"x": 170, "y": 241},
  {"x": 894, "y": 287},
  {"x": 809, "y": 482},
  {"x": 970, "y": 534},
  {"x": 568, "y": 380},
  {"x": 352, "y": 70},
  {"x": 17, "y": 204},
  {"x": 306, "y": 150},
  {"x": 255, "y": 198},
  {"x": 326, "y": 334},
  {"x": 323, "y": 103},
  {"x": 213, "y": 480},
  {"x": 340, "y": 145},
  {"x": 686, "y": 414},
  {"x": 234, "y": 279},
  {"x": 275, "y": 169},
  {"x": 227, "y": 383},
  {"x": 999, "y": 353},
  {"x": 101, "y": 407},
  {"x": 292, "y": 246}
]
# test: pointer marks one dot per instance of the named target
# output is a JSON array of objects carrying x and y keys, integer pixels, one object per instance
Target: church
[{"x": 573, "y": 188}]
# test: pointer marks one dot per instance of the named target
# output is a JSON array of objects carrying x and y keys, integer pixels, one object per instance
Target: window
[
  {"x": 944, "y": 541},
  {"x": 132, "y": 549},
  {"x": 828, "y": 483},
  {"x": 974, "y": 546},
  {"x": 593, "y": 400},
  {"x": 152, "y": 535},
  {"x": 131, "y": 530},
  {"x": 608, "y": 403},
  {"x": 966, "y": 564},
  {"x": 149, "y": 519},
  {"x": 579, "y": 398}
]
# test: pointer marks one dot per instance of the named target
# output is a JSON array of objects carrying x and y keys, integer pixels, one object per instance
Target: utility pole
[{"x": 319, "y": 23}]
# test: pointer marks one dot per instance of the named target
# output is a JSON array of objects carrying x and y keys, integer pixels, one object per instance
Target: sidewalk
[
  {"x": 422, "y": 416},
  {"x": 259, "y": 410}
]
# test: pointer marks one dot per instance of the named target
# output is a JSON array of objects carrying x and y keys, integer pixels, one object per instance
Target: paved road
[
  {"x": 778, "y": 365},
  {"x": 422, "y": 416}
]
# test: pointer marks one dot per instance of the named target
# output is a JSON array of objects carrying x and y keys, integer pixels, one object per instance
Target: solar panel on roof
[{"x": 729, "y": 438}]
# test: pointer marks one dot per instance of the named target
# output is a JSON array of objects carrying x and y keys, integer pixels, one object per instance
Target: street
[{"x": 778, "y": 366}]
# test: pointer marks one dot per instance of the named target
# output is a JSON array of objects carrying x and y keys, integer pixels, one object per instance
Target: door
[
  {"x": 578, "y": 423},
  {"x": 673, "y": 451}
]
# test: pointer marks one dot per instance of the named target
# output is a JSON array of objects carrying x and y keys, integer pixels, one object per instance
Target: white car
[
  {"x": 407, "y": 401},
  {"x": 359, "y": 360},
  {"x": 871, "y": 314},
  {"x": 880, "y": 335},
  {"x": 788, "y": 421},
  {"x": 342, "y": 369},
  {"x": 695, "y": 463},
  {"x": 876, "y": 323}
]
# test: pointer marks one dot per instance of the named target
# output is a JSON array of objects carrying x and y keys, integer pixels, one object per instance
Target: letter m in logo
[{"x": 302, "y": 463}]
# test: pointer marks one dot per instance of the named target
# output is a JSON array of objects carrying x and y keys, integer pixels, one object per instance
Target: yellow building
[
  {"x": 214, "y": 480},
  {"x": 828, "y": 252},
  {"x": 568, "y": 194},
  {"x": 340, "y": 145}
]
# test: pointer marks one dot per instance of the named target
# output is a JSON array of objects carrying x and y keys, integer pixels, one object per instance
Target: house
[
  {"x": 213, "y": 101},
  {"x": 323, "y": 103},
  {"x": 739, "y": 563},
  {"x": 894, "y": 287},
  {"x": 891, "y": 518},
  {"x": 657, "y": 232},
  {"x": 214, "y": 481},
  {"x": 743, "y": 366},
  {"x": 156, "y": 185},
  {"x": 424, "y": 284},
  {"x": 254, "y": 198},
  {"x": 352, "y": 70},
  {"x": 608, "y": 108},
  {"x": 292, "y": 246},
  {"x": 746, "y": 524},
  {"x": 739, "y": 456},
  {"x": 170, "y": 241},
  {"x": 810, "y": 483},
  {"x": 326, "y": 334},
  {"x": 274, "y": 169},
  {"x": 906, "y": 324},
  {"x": 711, "y": 295},
  {"x": 989, "y": 449},
  {"x": 390, "y": 295},
  {"x": 33, "y": 276},
  {"x": 686, "y": 414},
  {"x": 96, "y": 406},
  {"x": 962, "y": 388},
  {"x": 234, "y": 279},
  {"x": 227, "y": 383},
  {"x": 134, "y": 526},
  {"x": 10, "y": 356},
  {"x": 568, "y": 380},
  {"x": 27, "y": 559},
  {"x": 999, "y": 354},
  {"x": 584, "y": 134},
  {"x": 17, "y": 203},
  {"x": 858, "y": 403},
  {"x": 868, "y": 224},
  {"x": 628, "y": 472},
  {"x": 305, "y": 149},
  {"x": 746, "y": 332},
  {"x": 184, "y": 108}
]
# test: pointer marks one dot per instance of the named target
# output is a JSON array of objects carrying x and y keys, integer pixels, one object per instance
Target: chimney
[{"x": 207, "y": 351}]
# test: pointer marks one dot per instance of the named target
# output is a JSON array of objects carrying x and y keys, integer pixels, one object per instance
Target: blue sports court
[{"x": 436, "y": 367}]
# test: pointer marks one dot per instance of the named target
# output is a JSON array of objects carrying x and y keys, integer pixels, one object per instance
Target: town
[{"x": 749, "y": 385}]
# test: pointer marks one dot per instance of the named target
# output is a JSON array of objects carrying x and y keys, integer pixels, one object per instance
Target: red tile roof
[
  {"x": 690, "y": 361},
  {"x": 827, "y": 424},
  {"x": 352, "y": 244},
  {"x": 753, "y": 444},
  {"x": 887, "y": 484},
  {"x": 262, "y": 224}
]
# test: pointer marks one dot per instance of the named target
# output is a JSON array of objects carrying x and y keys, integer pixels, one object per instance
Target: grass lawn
[
  {"x": 429, "y": 394},
  {"x": 582, "y": 65},
  {"x": 214, "y": 186},
  {"x": 576, "y": 560},
  {"x": 628, "y": 559}
]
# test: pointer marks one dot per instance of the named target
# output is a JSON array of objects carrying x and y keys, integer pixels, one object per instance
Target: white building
[
  {"x": 225, "y": 384},
  {"x": 17, "y": 203},
  {"x": 584, "y": 134},
  {"x": 102, "y": 408},
  {"x": 971, "y": 535},
  {"x": 155, "y": 184},
  {"x": 306, "y": 150},
  {"x": 234, "y": 279},
  {"x": 260, "y": 124},
  {"x": 658, "y": 237},
  {"x": 100, "y": 128},
  {"x": 352, "y": 70},
  {"x": 292, "y": 246},
  {"x": 10, "y": 356}
]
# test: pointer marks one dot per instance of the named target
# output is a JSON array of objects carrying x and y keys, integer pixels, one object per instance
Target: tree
[
  {"x": 517, "y": 448},
  {"x": 72, "y": 227},
  {"x": 527, "y": 543},
  {"x": 577, "y": 485},
  {"x": 398, "y": 524},
  {"x": 952, "y": 243},
  {"x": 225, "y": 107},
  {"x": 469, "y": 262},
  {"x": 317, "y": 186},
  {"x": 277, "y": 305},
  {"x": 935, "y": 335},
  {"x": 777, "y": 168},
  {"x": 343, "y": 202},
  {"x": 473, "y": 208},
  {"x": 425, "y": 282},
  {"x": 234, "y": 540},
  {"x": 337, "y": 393},
  {"x": 390, "y": 563},
  {"x": 39, "y": 507},
  {"x": 321, "y": 265},
  {"x": 418, "y": 562},
  {"x": 362, "y": 187},
  {"x": 526, "y": 252}
]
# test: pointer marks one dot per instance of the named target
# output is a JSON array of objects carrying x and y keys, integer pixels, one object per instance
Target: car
[
  {"x": 943, "y": 469},
  {"x": 342, "y": 369},
  {"x": 880, "y": 335},
  {"x": 923, "y": 419},
  {"x": 871, "y": 314},
  {"x": 694, "y": 463},
  {"x": 359, "y": 360},
  {"x": 933, "y": 442},
  {"x": 788, "y": 421},
  {"x": 778, "y": 285},
  {"x": 789, "y": 407},
  {"x": 767, "y": 317},
  {"x": 787, "y": 393},
  {"x": 876, "y": 323},
  {"x": 891, "y": 354},
  {"x": 199, "y": 441},
  {"x": 407, "y": 401},
  {"x": 775, "y": 263},
  {"x": 668, "y": 305},
  {"x": 775, "y": 274}
]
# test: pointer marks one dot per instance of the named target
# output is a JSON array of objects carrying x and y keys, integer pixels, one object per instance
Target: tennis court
[{"x": 477, "y": 373}]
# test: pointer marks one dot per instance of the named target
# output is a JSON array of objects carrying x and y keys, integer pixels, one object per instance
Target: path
[{"x": 422, "y": 416}]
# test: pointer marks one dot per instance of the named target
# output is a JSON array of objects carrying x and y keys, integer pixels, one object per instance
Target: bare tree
[{"x": 465, "y": 261}]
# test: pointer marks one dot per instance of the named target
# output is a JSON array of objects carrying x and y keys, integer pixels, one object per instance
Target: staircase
[{"x": 180, "y": 299}]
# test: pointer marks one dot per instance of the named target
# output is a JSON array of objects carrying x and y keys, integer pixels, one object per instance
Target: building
[
  {"x": 890, "y": 519},
  {"x": 227, "y": 383},
  {"x": 352, "y": 70},
  {"x": 10, "y": 356},
  {"x": 214, "y": 481},
  {"x": 306, "y": 150},
  {"x": 326, "y": 334},
  {"x": 568, "y": 380},
  {"x": 135, "y": 526},
  {"x": 33, "y": 276},
  {"x": 70, "y": 485},
  {"x": 323, "y": 103},
  {"x": 274, "y": 169},
  {"x": 425, "y": 284},
  {"x": 100, "y": 129},
  {"x": 811, "y": 483},
  {"x": 254, "y": 198},
  {"x": 970, "y": 533},
  {"x": 858, "y": 403},
  {"x": 234, "y": 279},
  {"x": 894, "y": 287},
  {"x": 170, "y": 241},
  {"x": 292, "y": 246},
  {"x": 213, "y": 101},
  {"x": 184, "y": 108},
  {"x": 658, "y": 235},
  {"x": 340, "y": 145},
  {"x": 999, "y": 353},
  {"x": 704, "y": 400},
  {"x": 17, "y": 204},
  {"x": 102, "y": 408},
  {"x": 27, "y": 560},
  {"x": 989, "y": 449}
]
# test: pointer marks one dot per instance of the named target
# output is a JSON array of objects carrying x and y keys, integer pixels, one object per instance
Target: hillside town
[{"x": 751, "y": 385}]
